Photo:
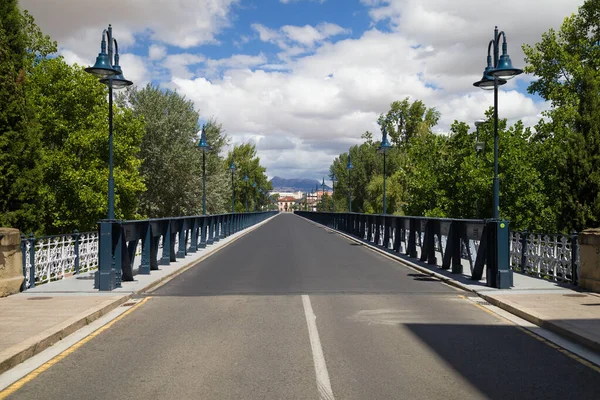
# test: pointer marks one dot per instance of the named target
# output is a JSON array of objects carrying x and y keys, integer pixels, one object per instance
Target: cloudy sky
[{"x": 304, "y": 79}]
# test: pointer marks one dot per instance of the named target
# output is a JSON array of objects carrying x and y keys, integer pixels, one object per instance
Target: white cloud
[
  {"x": 316, "y": 99},
  {"x": 180, "y": 23},
  {"x": 157, "y": 52}
]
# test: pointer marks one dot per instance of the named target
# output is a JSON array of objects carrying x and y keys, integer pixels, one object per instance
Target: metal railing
[
  {"x": 49, "y": 258},
  {"x": 553, "y": 257},
  {"x": 448, "y": 243}
]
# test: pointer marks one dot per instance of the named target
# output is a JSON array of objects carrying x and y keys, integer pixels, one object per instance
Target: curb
[
  {"x": 55, "y": 337},
  {"x": 87, "y": 319},
  {"x": 542, "y": 323}
]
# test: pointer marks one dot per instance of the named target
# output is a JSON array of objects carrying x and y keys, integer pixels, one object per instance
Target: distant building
[
  {"x": 286, "y": 204},
  {"x": 295, "y": 195}
]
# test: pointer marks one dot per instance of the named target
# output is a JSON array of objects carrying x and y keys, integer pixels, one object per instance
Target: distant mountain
[{"x": 294, "y": 185}]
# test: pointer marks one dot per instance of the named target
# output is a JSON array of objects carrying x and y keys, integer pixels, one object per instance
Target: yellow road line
[
  {"x": 33, "y": 374},
  {"x": 538, "y": 337}
]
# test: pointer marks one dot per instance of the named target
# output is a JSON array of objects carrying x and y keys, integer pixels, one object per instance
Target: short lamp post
[
  {"x": 109, "y": 72},
  {"x": 246, "y": 190},
  {"x": 232, "y": 169},
  {"x": 203, "y": 145},
  {"x": 333, "y": 180},
  {"x": 349, "y": 167},
  {"x": 499, "y": 69},
  {"x": 383, "y": 148}
]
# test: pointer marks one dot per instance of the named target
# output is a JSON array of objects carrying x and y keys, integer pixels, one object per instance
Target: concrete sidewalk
[
  {"x": 34, "y": 320},
  {"x": 564, "y": 309}
]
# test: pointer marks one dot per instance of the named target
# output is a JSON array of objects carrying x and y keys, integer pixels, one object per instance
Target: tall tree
[
  {"x": 20, "y": 136},
  {"x": 72, "y": 110},
  {"x": 566, "y": 65},
  {"x": 405, "y": 120},
  {"x": 171, "y": 164},
  {"x": 247, "y": 162}
]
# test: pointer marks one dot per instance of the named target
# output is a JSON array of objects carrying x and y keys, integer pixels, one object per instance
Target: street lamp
[
  {"x": 203, "y": 145},
  {"x": 349, "y": 167},
  {"x": 383, "y": 148},
  {"x": 255, "y": 196},
  {"x": 109, "y": 72},
  {"x": 333, "y": 180},
  {"x": 232, "y": 169},
  {"x": 497, "y": 72},
  {"x": 323, "y": 195},
  {"x": 246, "y": 187}
]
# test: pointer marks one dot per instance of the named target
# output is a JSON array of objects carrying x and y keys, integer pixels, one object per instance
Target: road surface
[{"x": 293, "y": 311}]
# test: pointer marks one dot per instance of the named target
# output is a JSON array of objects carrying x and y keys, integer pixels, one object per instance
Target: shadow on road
[{"x": 477, "y": 351}]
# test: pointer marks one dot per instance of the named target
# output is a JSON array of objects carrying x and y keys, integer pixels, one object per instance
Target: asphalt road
[{"x": 292, "y": 311}]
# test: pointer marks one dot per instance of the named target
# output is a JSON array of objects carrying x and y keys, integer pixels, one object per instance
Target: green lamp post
[
  {"x": 323, "y": 195},
  {"x": 246, "y": 189},
  {"x": 349, "y": 167},
  {"x": 497, "y": 72},
  {"x": 232, "y": 169},
  {"x": 203, "y": 145},
  {"x": 255, "y": 196},
  {"x": 108, "y": 70},
  {"x": 383, "y": 148}
]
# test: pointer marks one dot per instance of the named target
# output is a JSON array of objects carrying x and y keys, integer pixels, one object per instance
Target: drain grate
[
  {"x": 482, "y": 303},
  {"x": 575, "y": 295},
  {"x": 39, "y": 298},
  {"x": 131, "y": 303}
]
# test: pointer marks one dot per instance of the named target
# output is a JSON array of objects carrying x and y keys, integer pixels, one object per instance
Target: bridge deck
[{"x": 240, "y": 326}]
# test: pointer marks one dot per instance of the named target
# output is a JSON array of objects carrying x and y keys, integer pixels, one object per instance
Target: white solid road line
[{"x": 323, "y": 383}]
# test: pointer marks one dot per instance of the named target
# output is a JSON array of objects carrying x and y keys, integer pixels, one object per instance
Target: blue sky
[{"x": 304, "y": 79}]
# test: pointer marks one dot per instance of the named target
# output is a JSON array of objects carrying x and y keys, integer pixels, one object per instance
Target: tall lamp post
[
  {"x": 232, "y": 169},
  {"x": 383, "y": 148},
  {"x": 109, "y": 72},
  {"x": 246, "y": 190},
  {"x": 323, "y": 195},
  {"x": 349, "y": 167},
  {"x": 203, "y": 145},
  {"x": 333, "y": 180},
  {"x": 255, "y": 196},
  {"x": 499, "y": 69}
]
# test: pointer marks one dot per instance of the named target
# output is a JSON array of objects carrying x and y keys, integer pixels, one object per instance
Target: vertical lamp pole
[
  {"x": 349, "y": 167},
  {"x": 203, "y": 145},
  {"x": 333, "y": 180},
  {"x": 232, "y": 169},
  {"x": 255, "y": 197},
  {"x": 246, "y": 189},
  {"x": 323, "y": 195},
  {"x": 107, "y": 69},
  {"x": 383, "y": 148},
  {"x": 497, "y": 72}
]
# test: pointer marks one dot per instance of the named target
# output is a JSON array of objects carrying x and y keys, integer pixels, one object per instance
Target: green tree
[
  {"x": 566, "y": 65},
  {"x": 72, "y": 109},
  {"x": 405, "y": 120},
  {"x": 21, "y": 153},
  {"x": 171, "y": 164},
  {"x": 247, "y": 162}
]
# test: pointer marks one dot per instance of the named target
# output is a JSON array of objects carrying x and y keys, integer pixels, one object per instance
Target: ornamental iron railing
[
  {"x": 50, "y": 258},
  {"x": 449, "y": 243},
  {"x": 553, "y": 257}
]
